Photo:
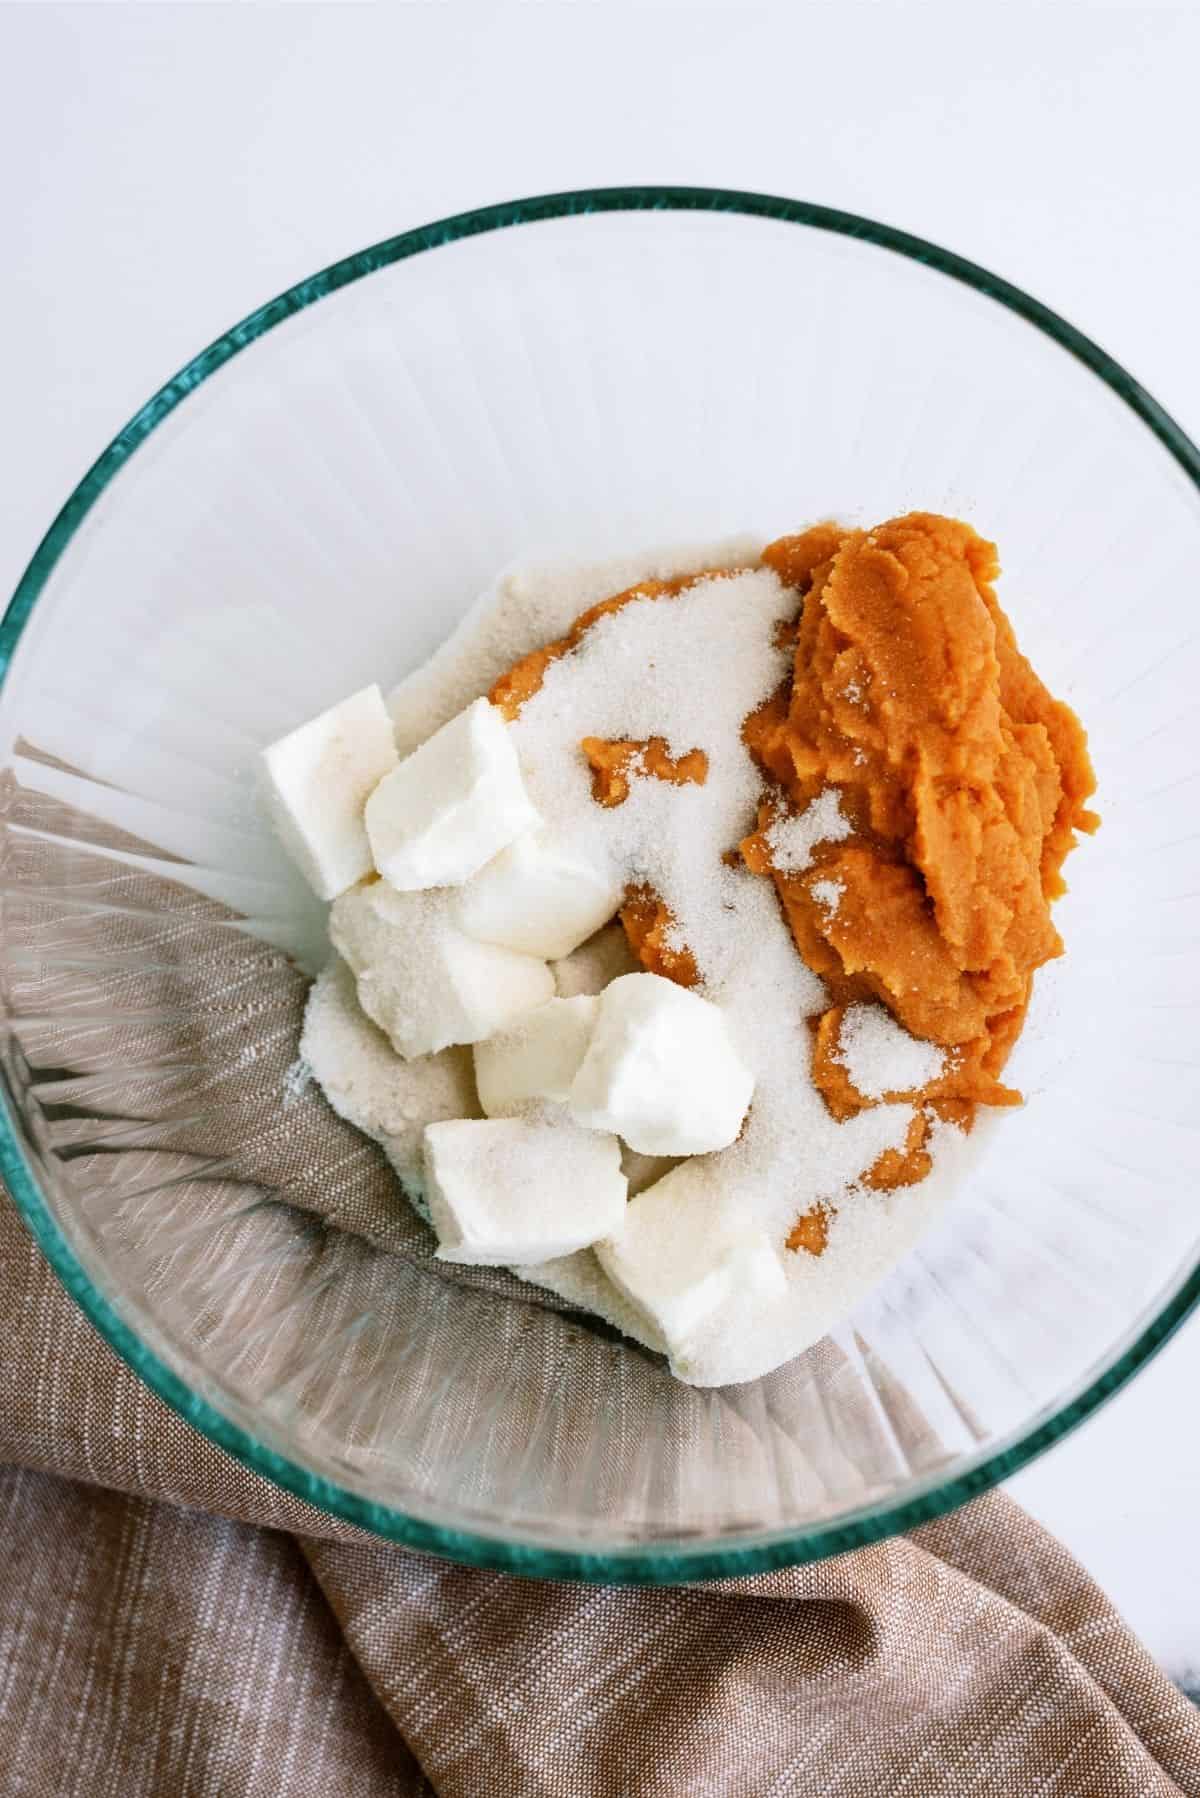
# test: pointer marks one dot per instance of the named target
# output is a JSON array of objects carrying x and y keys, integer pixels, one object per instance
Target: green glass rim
[{"x": 663, "y": 1562}]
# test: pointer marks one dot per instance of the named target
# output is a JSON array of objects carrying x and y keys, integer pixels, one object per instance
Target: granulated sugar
[
  {"x": 793, "y": 838},
  {"x": 366, "y": 1082},
  {"x": 604, "y": 957},
  {"x": 881, "y": 1057},
  {"x": 687, "y": 669},
  {"x": 828, "y": 895},
  {"x": 528, "y": 606}
]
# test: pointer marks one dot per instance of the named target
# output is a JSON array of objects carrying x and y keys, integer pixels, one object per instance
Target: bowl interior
[{"x": 318, "y": 513}]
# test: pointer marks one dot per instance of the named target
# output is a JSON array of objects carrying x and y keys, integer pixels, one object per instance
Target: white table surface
[{"x": 164, "y": 168}]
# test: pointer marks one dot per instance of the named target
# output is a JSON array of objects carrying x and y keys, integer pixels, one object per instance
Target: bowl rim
[{"x": 662, "y": 1562}]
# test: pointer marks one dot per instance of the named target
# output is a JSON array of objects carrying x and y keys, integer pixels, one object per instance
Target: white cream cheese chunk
[
  {"x": 505, "y": 1190},
  {"x": 536, "y": 1059},
  {"x": 697, "y": 1275},
  {"x": 420, "y": 979},
  {"x": 662, "y": 1070},
  {"x": 538, "y": 897},
  {"x": 451, "y": 805},
  {"x": 315, "y": 785}
]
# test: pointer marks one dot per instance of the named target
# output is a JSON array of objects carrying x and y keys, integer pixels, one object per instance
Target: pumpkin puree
[
  {"x": 615, "y": 761},
  {"x": 965, "y": 783}
]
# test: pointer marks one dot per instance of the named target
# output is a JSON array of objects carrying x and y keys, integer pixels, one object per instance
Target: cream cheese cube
[
  {"x": 536, "y": 1059},
  {"x": 539, "y": 897},
  {"x": 420, "y": 979},
  {"x": 520, "y": 1191},
  {"x": 451, "y": 805},
  {"x": 316, "y": 782},
  {"x": 689, "y": 1267},
  {"x": 662, "y": 1070}
]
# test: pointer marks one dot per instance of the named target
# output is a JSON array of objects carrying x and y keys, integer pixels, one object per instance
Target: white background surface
[{"x": 165, "y": 168}]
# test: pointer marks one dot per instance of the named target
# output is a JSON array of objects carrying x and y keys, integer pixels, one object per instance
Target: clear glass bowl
[{"x": 311, "y": 504}]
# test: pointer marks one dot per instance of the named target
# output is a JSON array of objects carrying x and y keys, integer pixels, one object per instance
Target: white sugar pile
[
  {"x": 792, "y": 838},
  {"x": 880, "y": 1057},
  {"x": 828, "y": 895},
  {"x": 687, "y": 669},
  {"x": 528, "y": 607},
  {"x": 366, "y": 1082}
]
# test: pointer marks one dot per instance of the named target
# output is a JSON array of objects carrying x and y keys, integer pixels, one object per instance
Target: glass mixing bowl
[{"x": 311, "y": 504}]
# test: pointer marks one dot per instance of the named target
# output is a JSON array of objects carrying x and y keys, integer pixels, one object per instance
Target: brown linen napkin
[
  {"x": 252, "y": 1646},
  {"x": 171, "y": 1626}
]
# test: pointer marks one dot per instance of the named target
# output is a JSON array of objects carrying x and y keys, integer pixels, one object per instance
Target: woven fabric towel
[{"x": 173, "y": 1627}]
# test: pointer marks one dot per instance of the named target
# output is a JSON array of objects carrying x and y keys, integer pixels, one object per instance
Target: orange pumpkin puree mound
[{"x": 964, "y": 782}]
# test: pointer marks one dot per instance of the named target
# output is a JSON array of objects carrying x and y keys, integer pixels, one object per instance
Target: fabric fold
[{"x": 173, "y": 1626}]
